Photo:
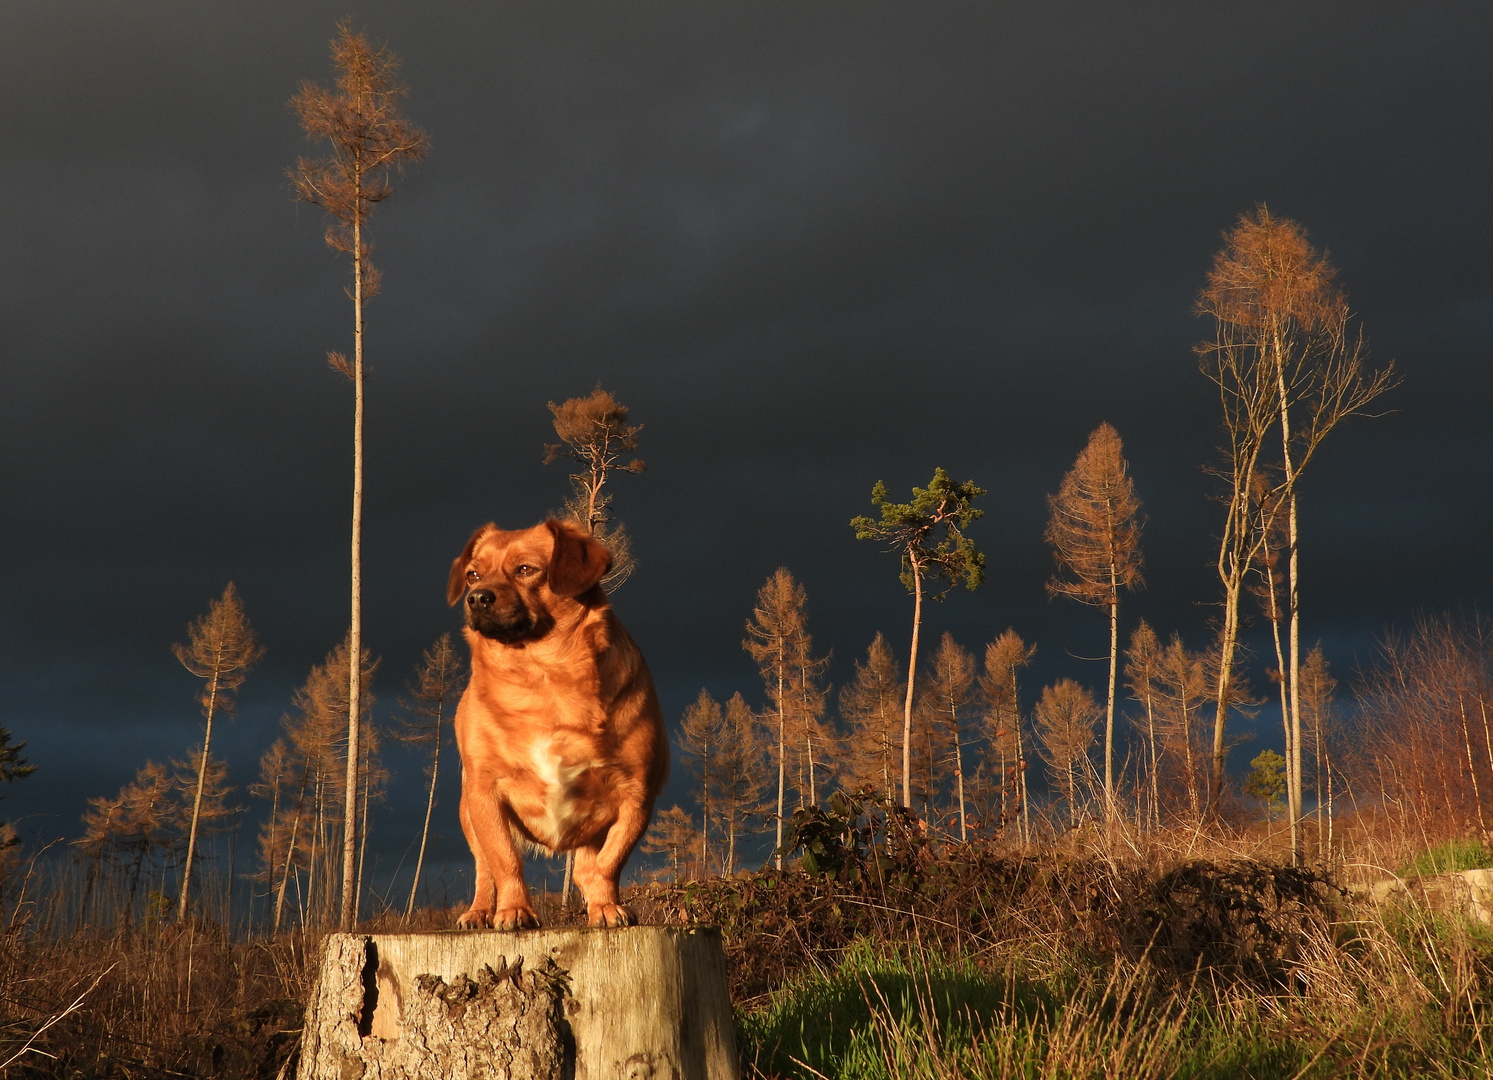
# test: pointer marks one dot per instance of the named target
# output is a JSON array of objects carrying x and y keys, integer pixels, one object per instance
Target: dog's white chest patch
[{"x": 557, "y": 778}]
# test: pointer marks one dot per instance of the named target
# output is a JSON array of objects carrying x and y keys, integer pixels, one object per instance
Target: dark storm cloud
[{"x": 812, "y": 246}]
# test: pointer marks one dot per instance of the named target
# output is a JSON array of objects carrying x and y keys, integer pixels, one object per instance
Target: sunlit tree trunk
[
  {"x": 912, "y": 673},
  {"x": 207, "y": 738}
]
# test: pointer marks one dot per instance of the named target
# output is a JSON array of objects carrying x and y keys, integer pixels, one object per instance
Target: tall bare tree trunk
[
  {"x": 912, "y": 674},
  {"x": 782, "y": 759},
  {"x": 1109, "y": 716},
  {"x": 1026, "y": 817},
  {"x": 207, "y": 740},
  {"x": 435, "y": 766},
  {"x": 355, "y": 631},
  {"x": 1290, "y": 676}
]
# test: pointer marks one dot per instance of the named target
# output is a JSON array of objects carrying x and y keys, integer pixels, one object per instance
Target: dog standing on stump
[{"x": 561, "y": 739}]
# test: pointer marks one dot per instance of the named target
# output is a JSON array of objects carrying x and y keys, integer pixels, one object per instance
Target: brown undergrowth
[{"x": 869, "y": 871}]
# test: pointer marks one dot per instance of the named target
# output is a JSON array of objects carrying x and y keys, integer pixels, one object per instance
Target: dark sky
[{"x": 812, "y": 246}]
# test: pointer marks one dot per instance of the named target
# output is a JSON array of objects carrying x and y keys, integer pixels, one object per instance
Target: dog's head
[{"x": 514, "y": 581}]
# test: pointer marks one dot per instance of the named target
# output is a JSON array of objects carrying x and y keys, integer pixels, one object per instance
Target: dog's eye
[
  {"x": 473, "y": 577},
  {"x": 525, "y": 570}
]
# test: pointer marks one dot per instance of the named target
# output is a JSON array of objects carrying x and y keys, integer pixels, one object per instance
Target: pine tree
[
  {"x": 369, "y": 140},
  {"x": 928, "y": 534},
  {"x": 1094, "y": 530}
]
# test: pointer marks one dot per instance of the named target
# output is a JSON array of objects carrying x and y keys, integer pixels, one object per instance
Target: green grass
[
  {"x": 1409, "y": 1000},
  {"x": 1453, "y": 855}
]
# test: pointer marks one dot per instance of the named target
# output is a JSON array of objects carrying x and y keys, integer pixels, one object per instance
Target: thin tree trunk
[
  {"x": 1290, "y": 691},
  {"x": 295, "y": 831},
  {"x": 362, "y": 843},
  {"x": 1155, "y": 763},
  {"x": 782, "y": 755},
  {"x": 912, "y": 672},
  {"x": 207, "y": 739},
  {"x": 959, "y": 772},
  {"x": 435, "y": 765},
  {"x": 355, "y": 630},
  {"x": 1026, "y": 818},
  {"x": 1477, "y": 797},
  {"x": 1293, "y": 806},
  {"x": 1109, "y": 716}
]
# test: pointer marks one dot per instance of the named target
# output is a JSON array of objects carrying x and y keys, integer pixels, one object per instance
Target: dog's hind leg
[
  {"x": 598, "y": 868},
  {"x": 502, "y": 898}
]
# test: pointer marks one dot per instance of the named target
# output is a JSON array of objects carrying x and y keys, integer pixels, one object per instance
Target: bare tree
[
  {"x": 999, "y": 682},
  {"x": 1141, "y": 662},
  {"x": 928, "y": 534},
  {"x": 672, "y": 834},
  {"x": 595, "y": 434},
  {"x": 221, "y": 648},
  {"x": 1282, "y": 357},
  {"x": 1318, "y": 723},
  {"x": 370, "y": 140},
  {"x": 439, "y": 681},
  {"x": 1094, "y": 528},
  {"x": 773, "y": 634},
  {"x": 700, "y": 737},
  {"x": 309, "y": 827},
  {"x": 1065, "y": 717},
  {"x": 949, "y": 696},
  {"x": 13, "y": 767},
  {"x": 741, "y": 773},
  {"x": 869, "y": 705}
]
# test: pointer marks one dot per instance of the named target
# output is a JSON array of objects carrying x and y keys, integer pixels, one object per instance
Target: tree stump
[{"x": 640, "y": 1003}]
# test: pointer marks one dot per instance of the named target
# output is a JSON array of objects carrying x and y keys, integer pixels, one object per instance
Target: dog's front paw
[
  {"x": 515, "y": 918},
  {"x": 475, "y": 919},
  {"x": 611, "y": 915}
]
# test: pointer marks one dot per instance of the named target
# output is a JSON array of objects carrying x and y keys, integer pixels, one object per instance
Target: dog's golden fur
[{"x": 561, "y": 739}]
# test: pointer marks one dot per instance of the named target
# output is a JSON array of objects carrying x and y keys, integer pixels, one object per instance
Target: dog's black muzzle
[{"x": 504, "y": 618}]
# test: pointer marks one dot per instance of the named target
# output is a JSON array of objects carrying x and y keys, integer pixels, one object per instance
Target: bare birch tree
[
  {"x": 439, "y": 681},
  {"x": 221, "y": 648},
  {"x": 370, "y": 140},
  {"x": 1094, "y": 528},
  {"x": 928, "y": 534},
  {"x": 1283, "y": 357}
]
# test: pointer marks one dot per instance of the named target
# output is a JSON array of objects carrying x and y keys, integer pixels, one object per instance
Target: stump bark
[{"x": 640, "y": 1003}]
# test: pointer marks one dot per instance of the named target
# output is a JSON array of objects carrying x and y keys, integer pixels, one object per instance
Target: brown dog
[{"x": 561, "y": 738}]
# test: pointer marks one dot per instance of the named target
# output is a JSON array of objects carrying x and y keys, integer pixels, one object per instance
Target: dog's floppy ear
[
  {"x": 456, "y": 582},
  {"x": 579, "y": 562}
]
